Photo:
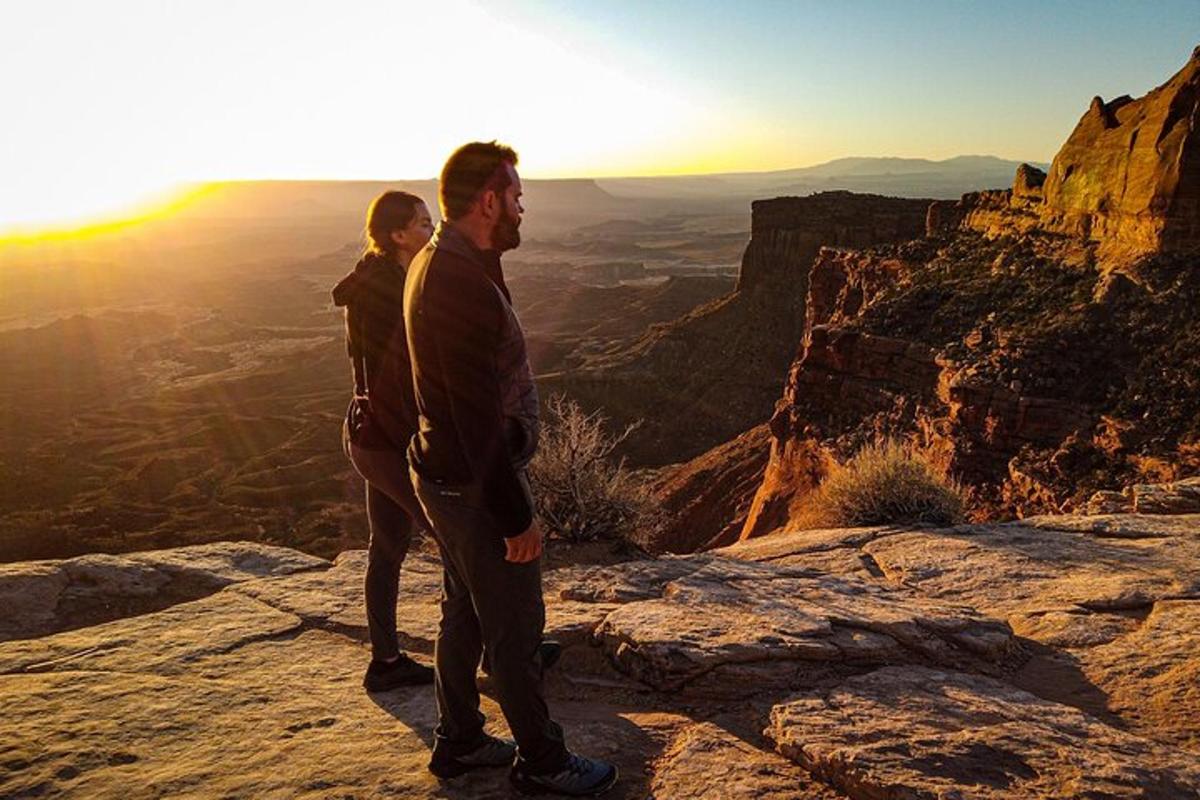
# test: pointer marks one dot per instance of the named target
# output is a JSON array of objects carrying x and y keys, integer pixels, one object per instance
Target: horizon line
[{"x": 175, "y": 195}]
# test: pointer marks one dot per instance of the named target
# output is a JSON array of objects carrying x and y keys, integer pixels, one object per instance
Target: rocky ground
[{"x": 1054, "y": 658}]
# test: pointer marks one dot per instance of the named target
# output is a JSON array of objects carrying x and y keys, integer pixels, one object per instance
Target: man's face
[{"x": 506, "y": 233}]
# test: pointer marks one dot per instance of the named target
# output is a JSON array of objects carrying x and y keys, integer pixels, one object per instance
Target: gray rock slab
[
  {"x": 623, "y": 583},
  {"x": 1151, "y": 676},
  {"x": 1017, "y": 569},
  {"x": 42, "y": 597},
  {"x": 729, "y": 612},
  {"x": 276, "y": 718},
  {"x": 707, "y": 762},
  {"x": 923, "y": 733},
  {"x": 164, "y": 642},
  {"x": 1119, "y": 526}
]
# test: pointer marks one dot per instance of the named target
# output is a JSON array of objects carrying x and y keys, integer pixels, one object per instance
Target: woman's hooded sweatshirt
[{"x": 373, "y": 296}]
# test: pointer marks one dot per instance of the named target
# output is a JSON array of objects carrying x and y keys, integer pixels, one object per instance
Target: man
[{"x": 477, "y": 431}]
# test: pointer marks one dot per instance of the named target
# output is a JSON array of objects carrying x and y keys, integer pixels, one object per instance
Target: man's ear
[{"x": 488, "y": 202}]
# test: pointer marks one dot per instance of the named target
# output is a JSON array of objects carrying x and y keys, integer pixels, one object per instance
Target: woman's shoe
[
  {"x": 383, "y": 676},
  {"x": 491, "y": 752}
]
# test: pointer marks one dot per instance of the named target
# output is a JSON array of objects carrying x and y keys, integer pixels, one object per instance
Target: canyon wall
[{"x": 716, "y": 372}]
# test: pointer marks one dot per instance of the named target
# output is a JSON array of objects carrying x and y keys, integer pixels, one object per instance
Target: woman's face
[{"x": 410, "y": 239}]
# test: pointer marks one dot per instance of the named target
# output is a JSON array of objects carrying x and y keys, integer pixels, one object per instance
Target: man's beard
[{"x": 506, "y": 233}]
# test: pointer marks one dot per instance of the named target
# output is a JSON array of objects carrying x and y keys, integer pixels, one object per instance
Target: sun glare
[
  {"x": 196, "y": 94},
  {"x": 94, "y": 213}
]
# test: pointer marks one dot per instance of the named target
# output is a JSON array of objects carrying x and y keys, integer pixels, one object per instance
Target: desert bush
[
  {"x": 581, "y": 490},
  {"x": 887, "y": 483}
]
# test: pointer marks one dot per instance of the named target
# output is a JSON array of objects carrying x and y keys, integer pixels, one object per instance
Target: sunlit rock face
[
  {"x": 1040, "y": 341},
  {"x": 1129, "y": 175},
  {"x": 1127, "y": 179}
]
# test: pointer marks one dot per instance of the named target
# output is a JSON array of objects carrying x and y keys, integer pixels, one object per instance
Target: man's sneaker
[
  {"x": 578, "y": 777},
  {"x": 491, "y": 752},
  {"x": 384, "y": 676}
]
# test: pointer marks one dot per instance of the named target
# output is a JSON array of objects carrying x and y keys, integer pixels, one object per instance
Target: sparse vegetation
[
  {"x": 887, "y": 483},
  {"x": 582, "y": 491}
]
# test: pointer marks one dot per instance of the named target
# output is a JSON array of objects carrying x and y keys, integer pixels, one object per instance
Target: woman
[{"x": 382, "y": 418}]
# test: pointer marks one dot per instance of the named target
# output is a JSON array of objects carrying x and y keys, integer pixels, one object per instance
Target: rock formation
[
  {"x": 717, "y": 371},
  {"x": 1030, "y": 379},
  {"x": 1054, "y": 658},
  {"x": 1179, "y": 497},
  {"x": 995, "y": 345},
  {"x": 1127, "y": 179}
]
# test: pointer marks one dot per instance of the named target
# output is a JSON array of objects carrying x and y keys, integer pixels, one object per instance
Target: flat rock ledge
[
  {"x": 43, "y": 597},
  {"x": 922, "y": 733},
  {"x": 1057, "y": 658},
  {"x": 743, "y": 627}
]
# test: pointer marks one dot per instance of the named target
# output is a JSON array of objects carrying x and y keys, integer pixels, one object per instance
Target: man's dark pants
[{"x": 490, "y": 606}]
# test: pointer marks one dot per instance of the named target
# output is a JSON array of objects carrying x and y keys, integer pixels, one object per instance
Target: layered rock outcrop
[
  {"x": 714, "y": 373},
  {"x": 1127, "y": 179},
  {"x": 1054, "y": 658},
  {"x": 1034, "y": 381},
  {"x": 1176, "y": 497},
  {"x": 967, "y": 736},
  {"x": 994, "y": 344}
]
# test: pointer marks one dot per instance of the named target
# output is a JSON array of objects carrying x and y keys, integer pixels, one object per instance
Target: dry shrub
[
  {"x": 887, "y": 483},
  {"x": 581, "y": 490}
]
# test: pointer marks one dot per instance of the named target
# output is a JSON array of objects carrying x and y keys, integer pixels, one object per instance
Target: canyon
[{"x": 1038, "y": 343}]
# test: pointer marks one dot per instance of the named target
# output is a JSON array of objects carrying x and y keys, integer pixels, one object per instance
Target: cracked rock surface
[
  {"x": 726, "y": 613},
  {"x": 41, "y": 597},
  {"x": 1057, "y": 658},
  {"x": 917, "y": 732}
]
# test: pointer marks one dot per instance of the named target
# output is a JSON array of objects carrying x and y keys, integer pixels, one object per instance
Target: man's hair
[{"x": 470, "y": 171}]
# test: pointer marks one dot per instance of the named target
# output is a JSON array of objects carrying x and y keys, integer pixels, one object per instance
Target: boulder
[{"x": 777, "y": 624}]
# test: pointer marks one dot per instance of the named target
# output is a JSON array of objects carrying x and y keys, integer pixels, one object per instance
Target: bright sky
[{"x": 109, "y": 102}]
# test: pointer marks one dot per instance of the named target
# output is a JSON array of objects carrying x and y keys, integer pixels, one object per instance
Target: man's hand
[{"x": 526, "y": 547}]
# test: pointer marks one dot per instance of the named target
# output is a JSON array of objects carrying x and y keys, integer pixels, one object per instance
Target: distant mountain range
[
  {"x": 573, "y": 201},
  {"x": 900, "y": 177},
  {"x": 231, "y": 219}
]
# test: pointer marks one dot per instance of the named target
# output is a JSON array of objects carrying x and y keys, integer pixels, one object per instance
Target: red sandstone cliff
[
  {"x": 994, "y": 343},
  {"x": 1127, "y": 180}
]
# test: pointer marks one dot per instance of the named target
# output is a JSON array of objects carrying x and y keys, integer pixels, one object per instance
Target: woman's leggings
[{"x": 392, "y": 512}]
